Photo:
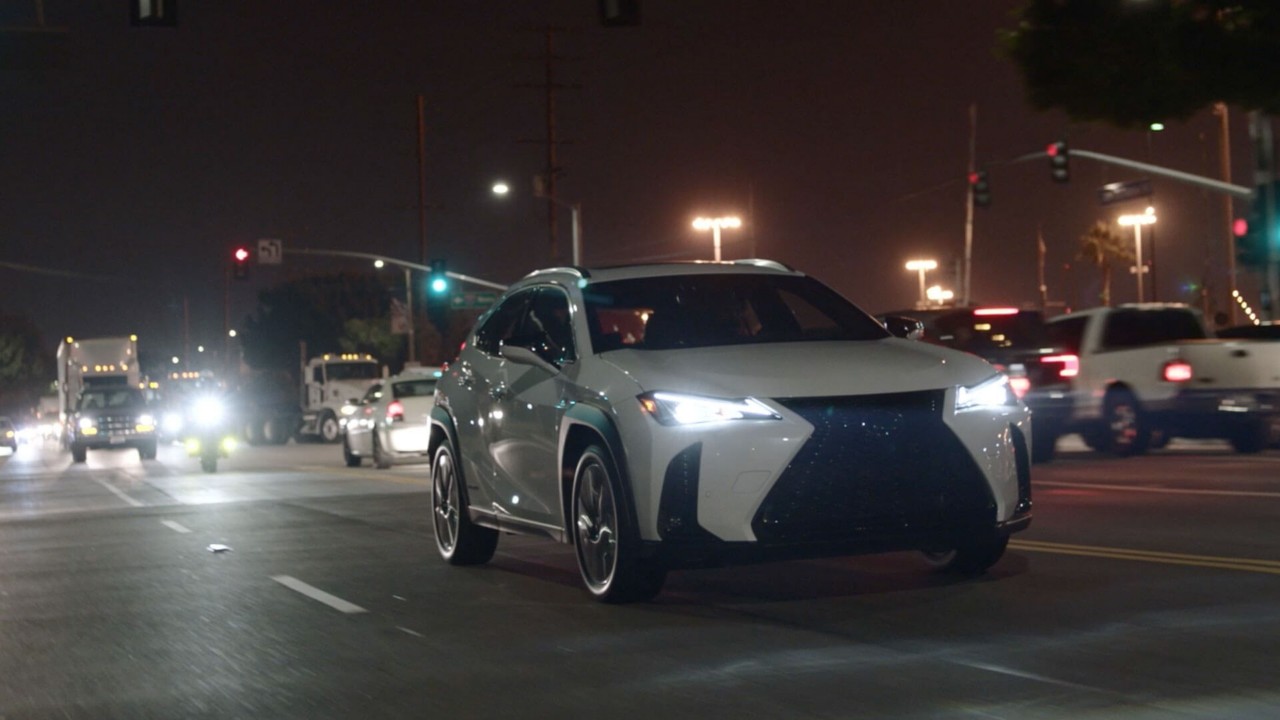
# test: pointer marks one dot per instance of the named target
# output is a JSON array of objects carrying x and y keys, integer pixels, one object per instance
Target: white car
[
  {"x": 391, "y": 423},
  {"x": 698, "y": 414}
]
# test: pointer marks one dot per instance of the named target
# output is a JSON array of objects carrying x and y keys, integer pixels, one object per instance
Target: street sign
[
  {"x": 270, "y": 251},
  {"x": 472, "y": 300},
  {"x": 1120, "y": 191}
]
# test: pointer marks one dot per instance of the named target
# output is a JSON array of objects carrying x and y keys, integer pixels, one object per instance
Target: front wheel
[
  {"x": 330, "y": 430},
  {"x": 459, "y": 541},
  {"x": 606, "y": 543},
  {"x": 1127, "y": 431},
  {"x": 147, "y": 451},
  {"x": 381, "y": 459},
  {"x": 348, "y": 457},
  {"x": 971, "y": 557},
  {"x": 209, "y": 463}
]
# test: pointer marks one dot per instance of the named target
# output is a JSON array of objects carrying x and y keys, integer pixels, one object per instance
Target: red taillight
[
  {"x": 985, "y": 312},
  {"x": 1070, "y": 364},
  {"x": 1177, "y": 371},
  {"x": 395, "y": 411},
  {"x": 1020, "y": 386}
]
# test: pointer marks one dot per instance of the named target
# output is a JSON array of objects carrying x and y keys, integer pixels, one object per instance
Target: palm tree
[{"x": 1102, "y": 247}]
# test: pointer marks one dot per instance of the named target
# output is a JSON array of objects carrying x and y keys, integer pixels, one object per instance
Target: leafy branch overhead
[{"x": 1130, "y": 62}]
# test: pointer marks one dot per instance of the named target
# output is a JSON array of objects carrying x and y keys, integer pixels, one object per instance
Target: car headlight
[
  {"x": 676, "y": 409},
  {"x": 992, "y": 394},
  {"x": 147, "y": 419},
  {"x": 348, "y": 409},
  {"x": 85, "y": 423}
]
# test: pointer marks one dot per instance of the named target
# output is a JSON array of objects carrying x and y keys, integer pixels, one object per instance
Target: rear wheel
[
  {"x": 606, "y": 543},
  {"x": 350, "y": 458},
  {"x": 1127, "y": 430},
  {"x": 1252, "y": 437},
  {"x": 971, "y": 557},
  {"x": 459, "y": 541},
  {"x": 147, "y": 451},
  {"x": 381, "y": 459}
]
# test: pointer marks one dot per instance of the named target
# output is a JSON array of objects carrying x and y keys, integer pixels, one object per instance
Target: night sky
[{"x": 133, "y": 159}]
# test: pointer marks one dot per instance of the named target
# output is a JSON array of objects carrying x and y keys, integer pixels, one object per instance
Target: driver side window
[{"x": 503, "y": 323}]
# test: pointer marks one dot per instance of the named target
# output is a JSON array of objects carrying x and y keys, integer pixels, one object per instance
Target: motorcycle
[{"x": 209, "y": 434}]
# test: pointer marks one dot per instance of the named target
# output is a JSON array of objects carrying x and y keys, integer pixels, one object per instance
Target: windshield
[
  {"x": 688, "y": 311},
  {"x": 351, "y": 371},
  {"x": 105, "y": 399},
  {"x": 414, "y": 388}
]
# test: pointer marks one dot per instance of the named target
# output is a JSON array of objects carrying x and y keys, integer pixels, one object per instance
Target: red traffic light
[
  {"x": 1053, "y": 149},
  {"x": 1240, "y": 227},
  {"x": 241, "y": 254},
  {"x": 974, "y": 178}
]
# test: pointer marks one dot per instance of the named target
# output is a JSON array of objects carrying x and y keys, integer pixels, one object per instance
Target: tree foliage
[
  {"x": 1130, "y": 63},
  {"x": 26, "y": 366},
  {"x": 1102, "y": 246},
  {"x": 317, "y": 311}
]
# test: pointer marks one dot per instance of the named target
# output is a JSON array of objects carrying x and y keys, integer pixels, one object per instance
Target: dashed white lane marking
[
  {"x": 414, "y": 633},
  {"x": 176, "y": 527},
  {"x": 317, "y": 594},
  {"x": 119, "y": 493}
]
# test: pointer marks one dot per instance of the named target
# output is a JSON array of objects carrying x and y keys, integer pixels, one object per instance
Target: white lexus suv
[{"x": 699, "y": 414}]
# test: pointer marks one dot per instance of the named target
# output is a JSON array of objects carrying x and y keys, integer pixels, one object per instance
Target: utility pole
[
  {"x": 1224, "y": 157},
  {"x": 968, "y": 218},
  {"x": 422, "y": 224},
  {"x": 547, "y": 186}
]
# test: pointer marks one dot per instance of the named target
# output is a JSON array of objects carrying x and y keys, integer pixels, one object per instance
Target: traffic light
[
  {"x": 1253, "y": 240},
  {"x": 1058, "y": 157},
  {"x": 438, "y": 280},
  {"x": 980, "y": 187},
  {"x": 240, "y": 262}
]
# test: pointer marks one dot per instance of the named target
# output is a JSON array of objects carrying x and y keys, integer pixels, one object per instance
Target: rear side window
[
  {"x": 978, "y": 333},
  {"x": 1067, "y": 334},
  {"x": 414, "y": 388},
  {"x": 1136, "y": 328}
]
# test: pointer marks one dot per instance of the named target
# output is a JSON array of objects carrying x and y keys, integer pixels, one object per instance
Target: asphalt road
[{"x": 1146, "y": 588}]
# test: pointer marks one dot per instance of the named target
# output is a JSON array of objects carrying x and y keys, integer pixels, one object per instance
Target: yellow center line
[
  {"x": 1163, "y": 490},
  {"x": 1269, "y": 567}
]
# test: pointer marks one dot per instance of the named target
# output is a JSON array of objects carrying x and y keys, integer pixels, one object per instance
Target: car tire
[
  {"x": 350, "y": 458},
  {"x": 459, "y": 541},
  {"x": 329, "y": 428},
  {"x": 209, "y": 464},
  {"x": 1126, "y": 424},
  {"x": 972, "y": 557},
  {"x": 147, "y": 451},
  {"x": 1252, "y": 437},
  {"x": 79, "y": 454},
  {"x": 605, "y": 540},
  {"x": 1044, "y": 442},
  {"x": 381, "y": 459}
]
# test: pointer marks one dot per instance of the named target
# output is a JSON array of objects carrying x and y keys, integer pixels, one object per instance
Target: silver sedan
[{"x": 391, "y": 425}]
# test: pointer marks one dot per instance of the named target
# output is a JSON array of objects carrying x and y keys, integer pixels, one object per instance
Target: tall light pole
[
  {"x": 1137, "y": 221},
  {"x": 714, "y": 225},
  {"x": 502, "y": 189},
  {"x": 922, "y": 267}
]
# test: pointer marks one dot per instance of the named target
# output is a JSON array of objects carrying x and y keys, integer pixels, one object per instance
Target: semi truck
[
  {"x": 330, "y": 386},
  {"x": 90, "y": 364}
]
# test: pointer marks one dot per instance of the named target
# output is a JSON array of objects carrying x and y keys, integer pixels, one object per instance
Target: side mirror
[
  {"x": 525, "y": 356},
  {"x": 904, "y": 327}
]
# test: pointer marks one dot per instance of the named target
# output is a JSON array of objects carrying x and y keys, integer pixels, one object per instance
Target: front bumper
[
  {"x": 850, "y": 475},
  {"x": 1216, "y": 413}
]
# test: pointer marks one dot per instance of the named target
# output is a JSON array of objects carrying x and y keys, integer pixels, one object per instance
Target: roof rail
[
  {"x": 570, "y": 269},
  {"x": 764, "y": 263}
]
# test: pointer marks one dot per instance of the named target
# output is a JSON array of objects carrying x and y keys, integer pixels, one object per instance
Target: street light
[
  {"x": 939, "y": 294},
  {"x": 922, "y": 267},
  {"x": 502, "y": 189},
  {"x": 1137, "y": 221},
  {"x": 714, "y": 225}
]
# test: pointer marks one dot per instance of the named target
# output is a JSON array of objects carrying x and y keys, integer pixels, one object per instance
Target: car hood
[{"x": 806, "y": 369}]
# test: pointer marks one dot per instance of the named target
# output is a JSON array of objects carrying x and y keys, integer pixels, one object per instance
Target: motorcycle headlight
[
  {"x": 208, "y": 411},
  {"x": 677, "y": 409},
  {"x": 993, "y": 394}
]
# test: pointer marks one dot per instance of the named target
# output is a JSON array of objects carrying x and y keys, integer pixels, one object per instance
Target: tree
[
  {"x": 26, "y": 366},
  {"x": 370, "y": 335},
  {"x": 1102, "y": 246},
  {"x": 1130, "y": 63}
]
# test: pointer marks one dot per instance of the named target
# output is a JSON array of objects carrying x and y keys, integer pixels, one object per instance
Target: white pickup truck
[{"x": 1145, "y": 373}]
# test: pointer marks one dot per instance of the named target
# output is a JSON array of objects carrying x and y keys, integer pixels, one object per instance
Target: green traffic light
[{"x": 439, "y": 285}]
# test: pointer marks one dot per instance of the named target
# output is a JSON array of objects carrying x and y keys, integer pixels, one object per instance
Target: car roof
[{"x": 570, "y": 275}]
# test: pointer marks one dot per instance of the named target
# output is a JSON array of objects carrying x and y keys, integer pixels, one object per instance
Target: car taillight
[
  {"x": 395, "y": 411},
  {"x": 1020, "y": 386},
  {"x": 1070, "y": 364},
  {"x": 988, "y": 312},
  {"x": 1177, "y": 371}
]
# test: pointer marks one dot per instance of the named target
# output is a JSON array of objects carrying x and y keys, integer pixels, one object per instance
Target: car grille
[
  {"x": 876, "y": 466},
  {"x": 117, "y": 425}
]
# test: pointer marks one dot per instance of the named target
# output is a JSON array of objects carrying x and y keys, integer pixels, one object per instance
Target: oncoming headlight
[
  {"x": 86, "y": 423},
  {"x": 676, "y": 409},
  {"x": 990, "y": 394}
]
